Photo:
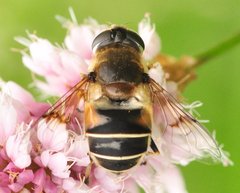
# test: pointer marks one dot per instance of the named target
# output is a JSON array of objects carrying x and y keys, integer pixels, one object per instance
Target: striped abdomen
[{"x": 121, "y": 143}]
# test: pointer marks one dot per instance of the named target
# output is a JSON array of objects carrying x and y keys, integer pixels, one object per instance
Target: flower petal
[
  {"x": 80, "y": 37},
  {"x": 39, "y": 177},
  {"x": 53, "y": 136},
  {"x": 18, "y": 148},
  {"x": 58, "y": 165},
  {"x": 25, "y": 177},
  {"x": 169, "y": 176},
  {"x": 4, "y": 180},
  {"x": 151, "y": 39}
]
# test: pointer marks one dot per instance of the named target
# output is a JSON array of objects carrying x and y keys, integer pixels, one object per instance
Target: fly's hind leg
[
  {"x": 154, "y": 148},
  {"x": 154, "y": 151},
  {"x": 88, "y": 172}
]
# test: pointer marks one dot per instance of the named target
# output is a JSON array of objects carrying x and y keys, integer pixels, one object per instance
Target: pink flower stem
[{"x": 217, "y": 50}]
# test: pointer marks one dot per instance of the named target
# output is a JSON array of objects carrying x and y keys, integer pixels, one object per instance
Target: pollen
[{"x": 12, "y": 176}]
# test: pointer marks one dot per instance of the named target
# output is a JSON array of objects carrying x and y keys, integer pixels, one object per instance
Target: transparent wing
[
  {"x": 183, "y": 137},
  {"x": 67, "y": 109}
]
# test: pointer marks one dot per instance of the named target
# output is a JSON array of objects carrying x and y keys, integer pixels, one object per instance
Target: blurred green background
[{"x": 185, "y": 27}]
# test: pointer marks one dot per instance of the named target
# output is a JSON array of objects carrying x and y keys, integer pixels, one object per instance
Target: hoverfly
[{"x": 119, "y": 96}]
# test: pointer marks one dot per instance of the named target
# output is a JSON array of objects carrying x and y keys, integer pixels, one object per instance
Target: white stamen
[
  {"x": 22, "y": 40},
  {"x": 72, "y": 15}
]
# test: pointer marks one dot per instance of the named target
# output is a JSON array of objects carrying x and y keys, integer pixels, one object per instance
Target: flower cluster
[{"x": 48, "y": 157}]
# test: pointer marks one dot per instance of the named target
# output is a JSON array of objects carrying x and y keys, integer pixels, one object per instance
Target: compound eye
[
  {"x": 102, "y": 37},
  {"x": 113, "y": 34},
  {"x": 118, "y": 35},
  {"x": 135, "y": 38}
]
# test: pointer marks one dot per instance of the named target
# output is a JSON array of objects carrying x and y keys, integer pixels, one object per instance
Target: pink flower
[
  {"x": 170, "y": 176},
  {"x": 35, "y": 109},
  {"x": 156, "y": 72},
  {"x": 4, "y": 190},
  {"x": 57, "y": 163},
  {"x": 150, "y": 37},
  {"x": 17, "y": 106},
  {"x": 53, "y": 136},
  {"x": 12, "y": 112},
  {"x": 79, "y": 38},
  {"x": 4, "y": 180},
  {"x": 8, "y": 121},
  {"x": 14, "y": 178},
  {"x": 18, "y": 147},
  {"x": 105, "y": 181},
  {"x": 61, "y": 68},
  {"x": 42, "y": 182},
  {"x": 23, "y": 178},
  {"x": 75, "y": 186},
  {"x": 80, "y": 154}
]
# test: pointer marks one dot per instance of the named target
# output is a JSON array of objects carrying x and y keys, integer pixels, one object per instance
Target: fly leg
[
  {"x": 154, "y": 151},
  {"x": 87, "y": 172},
  {"x": 154, "y": 148}
]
